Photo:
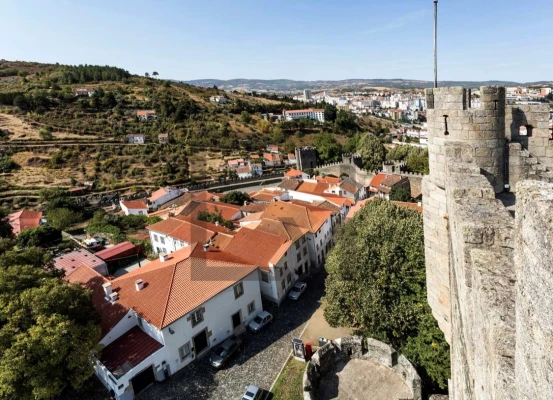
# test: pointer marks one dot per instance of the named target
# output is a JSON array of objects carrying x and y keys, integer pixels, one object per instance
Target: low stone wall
[{"x": 358, "y": 348}]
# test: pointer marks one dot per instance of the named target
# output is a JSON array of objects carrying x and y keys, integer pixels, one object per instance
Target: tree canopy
[
  {"x": 47, "y": 330},
  {"x": 215, "y": 218},
  {"x": 92, "y": 73},
  {"x": 42, "y": 236},
  {"x": 399, "y": 193},
  {"x": 372, "y": 151},
  {"x": 235, "y": 197},
  {"x": 328, "y": 148},
  {"x": 63, "y": 218},
  {"x": 377, "y": 283},
  {"x": 5, "y": 227},
  {"x": 416, "y": 158}
]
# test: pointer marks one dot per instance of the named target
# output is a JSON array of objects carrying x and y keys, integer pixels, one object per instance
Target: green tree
[
  {"x": 372, "y": 151},
  {"x": 417, "y": 160},
  {"x": 155, "y": 74},
  {"x": 399, "y": 193},
  {"x": 328, "y": 148},
  {"x": 235, "y": 197},
  {"x": 39, "y": 237},
  {"x": 5, "y": 227},
  {"x": 63, "y": 218},
  {"x": 330, "y": 112},
  {"x": 45, "y": 134},
  {"x": 245, "y": 117},
  {"x": 377, "y": 283},
  {"x": 47, "y": 329},
  {"x": 214, "y": 218},
  {"x": 147, "y": 74},
  {"x": 7, "y": 164},
  {"x": 33, "y": 256},
  {"x": 346, "y": 120}
]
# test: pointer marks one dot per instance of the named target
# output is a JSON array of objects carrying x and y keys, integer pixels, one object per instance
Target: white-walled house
[
  {"x": 155, "y": 321},
  {"x": 174, "y": 233},
  {"x": 136, "y": 138},
  {"x": 249, "y": 171},
  {"x": 296, "y": 174},
  {"x": 163, "y": 195},
  {"x": 133, "y": 207}
]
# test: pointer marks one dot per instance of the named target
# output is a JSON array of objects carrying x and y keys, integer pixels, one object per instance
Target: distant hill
[{"x": 287, "y": 85}]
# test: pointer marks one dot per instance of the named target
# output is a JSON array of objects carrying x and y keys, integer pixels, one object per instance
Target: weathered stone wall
[
  {"x": 482, "y": 283},
  {"x": 357, "y": 347},
  {"x": 534, "y": 296},
  {"x": 451, "y": 118},
  {"x": 436, "y": 249},
  {"x": 536, "y": 119}
]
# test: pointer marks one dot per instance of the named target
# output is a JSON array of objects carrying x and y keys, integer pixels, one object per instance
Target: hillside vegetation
[{"x": 51, "y": 137}]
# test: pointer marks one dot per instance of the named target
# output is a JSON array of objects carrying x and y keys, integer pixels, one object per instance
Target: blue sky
[{"x": 293, "y": 39}]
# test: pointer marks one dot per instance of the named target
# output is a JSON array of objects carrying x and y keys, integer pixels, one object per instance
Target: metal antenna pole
[{"x": 435, "y": 43}]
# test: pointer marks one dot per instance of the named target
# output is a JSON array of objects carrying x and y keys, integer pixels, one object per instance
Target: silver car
[
  {"x": 260, "y": 320},
  {"x": 252, "y": 393},
  {"x": 297, "y": 290}
]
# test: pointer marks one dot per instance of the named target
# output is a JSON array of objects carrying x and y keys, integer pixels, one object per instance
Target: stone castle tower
[{"x": 489, "y": 251}]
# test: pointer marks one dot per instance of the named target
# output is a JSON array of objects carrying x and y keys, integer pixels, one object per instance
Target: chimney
[
  {"x": 162, "y": 257},
  {"x": 113, "y": 297},
  {"x": 216, "y": 223},
  {"x": 245, "y": 202},
  {"x": 139, "y": 285},
  {"x": 419, "y": 204},
  {"x": 206, "y": 247},
  {"x": 107, "y": 288}
]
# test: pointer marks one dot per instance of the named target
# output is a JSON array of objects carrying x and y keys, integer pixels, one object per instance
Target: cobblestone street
[{"x": 258, "y": 364}]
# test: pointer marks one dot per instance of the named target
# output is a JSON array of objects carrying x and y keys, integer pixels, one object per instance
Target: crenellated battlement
[{"x": 489, "y": 274}]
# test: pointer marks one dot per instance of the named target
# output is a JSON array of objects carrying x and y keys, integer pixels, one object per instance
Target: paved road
[{"x": 259, "y": 363}]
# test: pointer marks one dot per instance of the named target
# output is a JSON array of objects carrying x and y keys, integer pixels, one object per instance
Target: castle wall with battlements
[{"x": 489, "y": 272}]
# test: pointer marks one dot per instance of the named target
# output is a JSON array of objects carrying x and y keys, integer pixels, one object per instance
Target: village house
[
  {"x": 220, "y": 100},
  {"x": 146, "y": 115},
  {"x": 161, "y": 317},
  {"x": 393, "y": 181},
  {"x": 163, "y": 195},
  {"x": 272, "y": 159},
  {"x": 292, "y": 158},
  {"x": 84, "y": 92},
  {"x": 280, "y": 252},
  {"x": 163, "y": 138},
  {"x": 71, "y": 261},
  {"x": 249, "y": 171},
  {"x": 273, "y": 148},
  {"x": 136, "y": 138},
  {"x": 295, "y": 174},
  {"x": 176, "y": 232},
  {"x": 374, "y": 185},
  {"x": 236, "y": 163},
  {"x": 134, "y": 207},
  {"x": 120, "y": 254},
  {"x": 24, "y": 219}
]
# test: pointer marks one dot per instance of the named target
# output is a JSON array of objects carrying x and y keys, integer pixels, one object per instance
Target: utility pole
[{"x": 435, "y": 43}]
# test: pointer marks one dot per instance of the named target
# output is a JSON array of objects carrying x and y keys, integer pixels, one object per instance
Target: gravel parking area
[{"x": 258, "y": 364}]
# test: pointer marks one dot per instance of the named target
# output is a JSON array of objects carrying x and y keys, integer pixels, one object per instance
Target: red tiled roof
[
  {"x": 114, "y": 251},
  {"x": 313, "y": 188},
  {"x": 377, "y": 180},
  {"x": 310, "y": 218},
  {"x": 228, "y": 211},
  {"x": 186, "y": 280},
  {"x": 24, "y": 219},
  {"x": 129, "y": 350},
  {"x": 110, "y": 314},
  {"x": 267, "y": 247},
  {"x": 145, "y": 112},
  {"x": 135, "y": 204},
  {"x": 182, "y": 230},
  {"x": 293, "y": 173},
  {"x": 205, "y": 196},
  {"x": 157, "y": 194},
  {"x": 71, "y": 261},
  {"x": 254, "y": 207}
]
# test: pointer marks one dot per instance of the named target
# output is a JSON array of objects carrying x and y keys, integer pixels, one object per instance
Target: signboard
[{"x": 298, "y": 349}]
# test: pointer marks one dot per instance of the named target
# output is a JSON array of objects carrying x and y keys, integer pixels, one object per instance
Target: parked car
[
  {"x": 225, "y": 351},
  {"x": 260, "y": 321},
  {"x": 297, "y": 290},
  {"x": 252, "y": 393}
]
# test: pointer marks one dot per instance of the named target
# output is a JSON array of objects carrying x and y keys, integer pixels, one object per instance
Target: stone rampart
[{"x": 356, "y": 347}]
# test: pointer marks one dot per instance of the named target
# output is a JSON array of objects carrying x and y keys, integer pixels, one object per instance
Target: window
[
  {"x": 156, "y": 238},
  {"x": 264, "y": 276},
  {"x": 289, "y": 278},
  {"x": 162, "y": 239},
  {"x": 184, "y": 351},
  {"x": 251, "y": 307},
  {"x": 297, "y": 244},
  {"x": 140, "y": 322},
  {"x": 196, "y": 317},
  {"x": 283, "y": 284},
  {"x": 286, "y": 265},
  {"x": 140, "y": 213},
  {"x": 280, "y": 272},
  {"x": 299, "y": 257},
  {"x": 238, "y": 290},
  {"x": 317, "y": 247},
  {"x": 303, "y": 239},
  {"x": 304, "y": 250}
]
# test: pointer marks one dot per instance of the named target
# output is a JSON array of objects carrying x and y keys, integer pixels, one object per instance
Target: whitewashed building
[
  {"x": 134, "y": 207},
  {"x": 317, "y": 114}
]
